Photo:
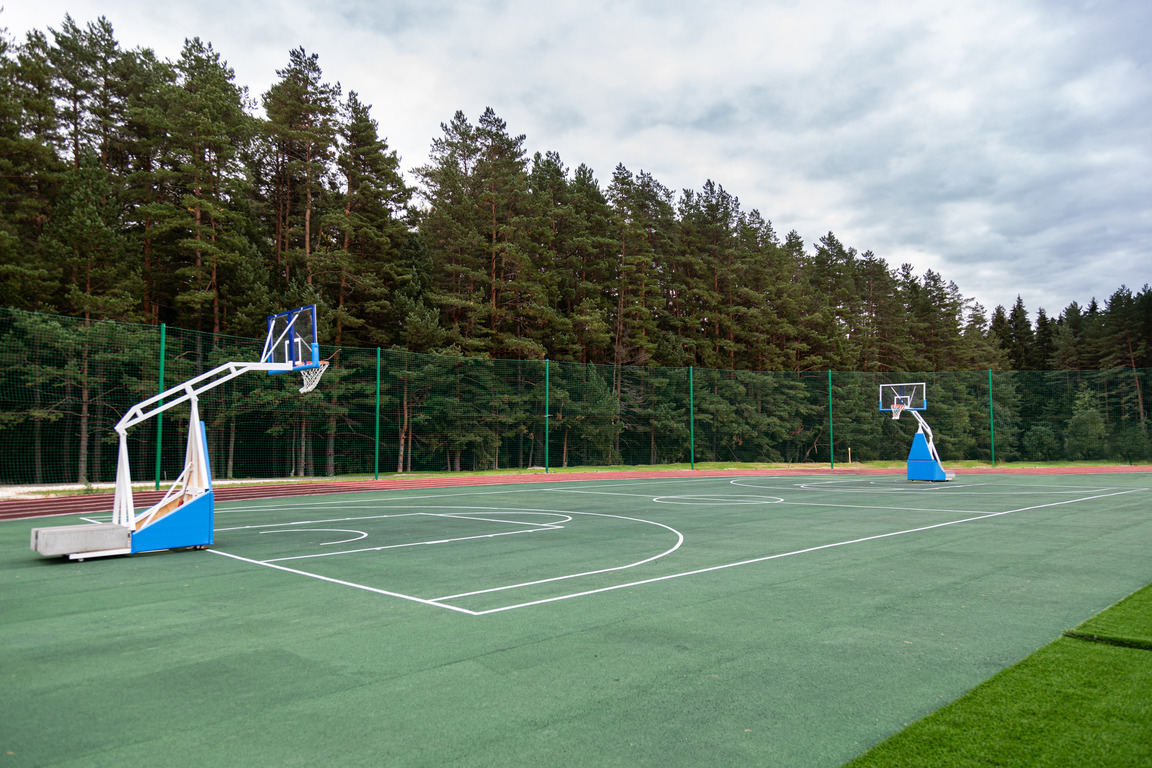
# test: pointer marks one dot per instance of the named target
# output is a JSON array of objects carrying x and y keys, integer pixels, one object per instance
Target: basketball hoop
[
  {"x": 897, "y": 409},
  {"x": 312, "y": 376}
]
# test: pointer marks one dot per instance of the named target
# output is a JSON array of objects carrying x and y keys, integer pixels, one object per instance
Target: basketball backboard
[
  {"x": 912, "y": 397},
  {"x": 291, "y": 340}
]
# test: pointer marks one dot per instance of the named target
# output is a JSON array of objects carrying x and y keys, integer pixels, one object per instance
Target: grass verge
[{"x": 1085, "y": 699}]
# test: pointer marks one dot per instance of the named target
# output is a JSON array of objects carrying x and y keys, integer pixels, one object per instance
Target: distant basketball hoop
[{"x": 923, "y": 459}]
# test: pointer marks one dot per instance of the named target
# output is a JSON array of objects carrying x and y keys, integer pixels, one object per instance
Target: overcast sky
[{"x": 1006, "y": 144}]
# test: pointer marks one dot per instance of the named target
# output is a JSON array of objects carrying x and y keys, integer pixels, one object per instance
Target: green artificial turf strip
[
  {"x": 1073, "y": 702},
  {"x": 1128, "y": 622}
]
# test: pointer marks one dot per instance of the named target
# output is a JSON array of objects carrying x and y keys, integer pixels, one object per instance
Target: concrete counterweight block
[{"x": 80, "y": 539}]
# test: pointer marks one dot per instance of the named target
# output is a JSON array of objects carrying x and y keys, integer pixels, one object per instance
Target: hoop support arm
[{"x": 194, "y": 387}]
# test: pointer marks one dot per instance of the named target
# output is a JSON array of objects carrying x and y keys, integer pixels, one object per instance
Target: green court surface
[{"x": 677, "y": 621}]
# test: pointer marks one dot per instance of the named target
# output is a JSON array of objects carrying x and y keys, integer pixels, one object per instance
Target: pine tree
[
  {"x": 84, "y": 240},
  {"x": 515, "y": 295},
  {"x": 1022, "y": 338},
  {"x": 1085, "y": 433},
  {"x": 30, "y": 174},
  {"x": 979, "y": 351},
  {"x": 799, "y": 339},
  {"x": 886, "y": 331},
  {"x": 1129, "y": 344},
  {"x": 556, "y": 222},
  {"x": 1044, "y": 343},
  {"x": 762, "y": 294},
  {"x": 149, "y": 195},
  {"x": 832, "y": 317},
  {"x": 937, "y": 311},
  {"x": 587, "y": 258},
  {"x": 485, "y": 236},
  {"x": 206, "y": 125},
  {"x": 645, "y": 224},
  {"x": 450, "y": 227},
  {"x": 1000, "y": 333},
  {"x": 361, "y": 264},
  {"x": 72, "y": 64},
  {"x": 300, "y": 132},
  {"x": 703, "y": 282}
]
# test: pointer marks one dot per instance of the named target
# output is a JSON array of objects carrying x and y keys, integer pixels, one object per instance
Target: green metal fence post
[
  {"x": 376, "y": 469},
  {"x": 991, "y": 422},
  {"x": 831, "y": 431},
  {"x": 160, "y": 416},
  {"x": 546, "y": 405},
  {"x": 691, "y": 422}
]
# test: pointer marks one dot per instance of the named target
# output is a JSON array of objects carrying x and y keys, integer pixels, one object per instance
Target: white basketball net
[
  {"x": 898, "y": 406},
  {"x": 312, "y": 376}
]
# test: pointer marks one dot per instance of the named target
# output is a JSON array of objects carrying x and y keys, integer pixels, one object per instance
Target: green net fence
[{"x": 66, "y": 382}]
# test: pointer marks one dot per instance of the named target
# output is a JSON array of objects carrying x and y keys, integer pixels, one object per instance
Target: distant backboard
[
  {"x": 291, "y": 340},
  {"x": 913, "y": 397}
]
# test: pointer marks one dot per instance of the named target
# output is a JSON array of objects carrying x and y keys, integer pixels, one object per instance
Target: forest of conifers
[{"x": 146, "y": 191}]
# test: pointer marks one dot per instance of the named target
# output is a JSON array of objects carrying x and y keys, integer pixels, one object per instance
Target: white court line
[
  {"x": 602, "y": 493},
  {"x": 536, "y": 527},
  {"x": 343, "y": 583},
  {"x": 789, "y": 554},
  {"x": 363, "y": 534},
  {"x": 358, "y": 518},
  {"x": 676, "y": 546},
  {"x": 436, "y": 603},
  {"x": 891, "y": 509},
  {"x": 797, "y": 503},
  {"x": 409, "y": 544},
  {"x": 497, "y": 520},
  {"x": 948, "y": 489},
  {"x": 526, "y": 488}
]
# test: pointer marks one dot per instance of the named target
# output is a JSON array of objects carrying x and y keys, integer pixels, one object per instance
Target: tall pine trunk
[
  {"x": 303, "y": 446},
  {"x": 404, "y": 425},
  {"x": 231, "y": 447},
  {"x": 82, "y": 455}
]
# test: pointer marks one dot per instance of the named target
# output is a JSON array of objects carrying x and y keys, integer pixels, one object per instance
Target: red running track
[{"x": 15, "y": 509}]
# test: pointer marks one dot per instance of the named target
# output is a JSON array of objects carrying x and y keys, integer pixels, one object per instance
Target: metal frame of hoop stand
[{"x": 923, "y": 460}]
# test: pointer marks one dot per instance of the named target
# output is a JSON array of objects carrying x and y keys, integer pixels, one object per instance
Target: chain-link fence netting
[{"x": 67, "y": 381}]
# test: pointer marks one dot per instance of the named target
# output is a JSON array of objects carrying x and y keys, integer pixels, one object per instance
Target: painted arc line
[
  {"x": 410, "y": 544},
  {"x": 537, "y": 527},
  {"x": 673, "y": 548},
  {"x": 362, "y": 535},
  {"x": 307, "y": 501},
  {"x": 315, "y": 522},
  {"x": 796, "y": 552},
  {"x": 566, "y": 519},
  {"x": 550, "y": 512},
  {"x": 458, "y": 609},
  {"x": 741, "y": 498}
]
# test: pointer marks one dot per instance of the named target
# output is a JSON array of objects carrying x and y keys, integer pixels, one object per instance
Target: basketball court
[
  {"x": 684, "y": 619},
  {"x": 672, "y": 621},
  {"x": 515, "y": 549}
]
